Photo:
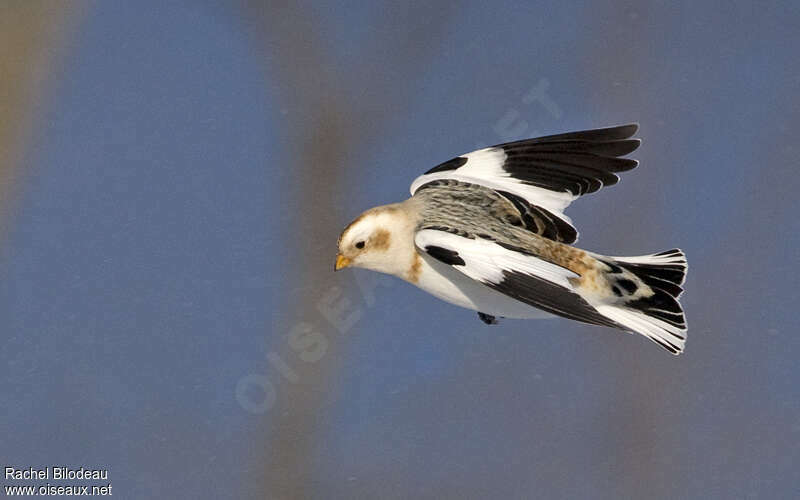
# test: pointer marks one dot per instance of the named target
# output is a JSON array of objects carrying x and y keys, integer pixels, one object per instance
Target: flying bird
[{"x": 487, "y": 231}]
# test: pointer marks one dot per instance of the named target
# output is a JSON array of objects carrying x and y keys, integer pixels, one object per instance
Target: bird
[{"x": 487, "y": 231}]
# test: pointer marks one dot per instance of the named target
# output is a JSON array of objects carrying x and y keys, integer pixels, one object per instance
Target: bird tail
[{"x": 652, "y": 310}]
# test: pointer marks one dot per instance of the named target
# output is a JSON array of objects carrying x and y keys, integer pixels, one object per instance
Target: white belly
[{"x": 450, "y": 285}]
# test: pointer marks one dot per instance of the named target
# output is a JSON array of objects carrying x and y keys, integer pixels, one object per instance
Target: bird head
[{"x": 372, "y": 241}]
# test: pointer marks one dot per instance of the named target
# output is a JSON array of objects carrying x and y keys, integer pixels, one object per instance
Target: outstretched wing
[
  {"x": 549, "y": 171},
  {"x": 518, "y": 275}
]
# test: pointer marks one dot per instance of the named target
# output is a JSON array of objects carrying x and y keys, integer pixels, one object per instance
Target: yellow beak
[{"x": 341, "y": 262}]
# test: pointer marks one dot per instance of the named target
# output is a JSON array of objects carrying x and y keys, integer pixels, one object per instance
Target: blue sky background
[{"x": 164, "y": 245}]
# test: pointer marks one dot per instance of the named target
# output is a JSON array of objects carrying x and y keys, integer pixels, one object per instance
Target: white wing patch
[
  {"x": 485, "y": 167},
  {"x": 485, "y": 261}
]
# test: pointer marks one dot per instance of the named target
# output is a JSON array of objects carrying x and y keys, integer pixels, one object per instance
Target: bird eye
[{"x": 360, "y": 245}]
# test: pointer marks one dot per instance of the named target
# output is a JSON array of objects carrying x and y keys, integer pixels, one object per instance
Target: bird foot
[{"x": 487, "y": 318}]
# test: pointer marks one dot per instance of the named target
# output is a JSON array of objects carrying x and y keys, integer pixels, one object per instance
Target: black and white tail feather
[{"x": 654, "y": 310}]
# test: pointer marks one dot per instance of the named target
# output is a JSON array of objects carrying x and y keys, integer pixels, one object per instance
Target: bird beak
[{"x": 341, "y": 262}]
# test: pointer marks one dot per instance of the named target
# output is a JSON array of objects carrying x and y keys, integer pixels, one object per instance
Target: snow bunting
[{"x": 487, "y": 231}]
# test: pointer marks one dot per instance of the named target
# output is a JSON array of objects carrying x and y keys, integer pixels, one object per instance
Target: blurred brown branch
[
  {"x": 31, "y": 38},
  {"x": 329, "y": 123},
  {"x": 647, "y": 406}
]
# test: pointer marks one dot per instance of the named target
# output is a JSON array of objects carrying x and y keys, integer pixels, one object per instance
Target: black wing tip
[
  {"x": 620, "y": 132},
  {"x": 627, "y": 164},
  {"x": 602, "y": 134},
  {"x": 608, "y": 134},
  {"x": 610, "y": 144},
  {"x": 578, "y": 162},
  {"x": 624, "y": 147},
  {"x": 628, "y": 129}
]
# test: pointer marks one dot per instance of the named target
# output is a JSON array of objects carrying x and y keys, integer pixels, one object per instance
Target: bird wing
[
  {"x": 550, "y": 171},
  {"x": 517, "y": 274},
  {"x": 455, "y": 204}
]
